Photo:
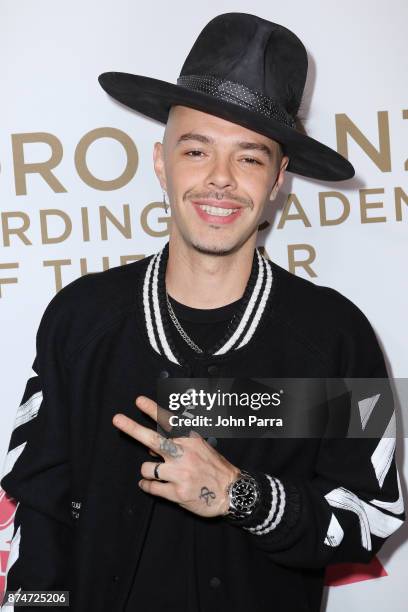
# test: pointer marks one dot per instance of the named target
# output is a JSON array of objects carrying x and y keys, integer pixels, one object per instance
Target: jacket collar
[{"x": 240, "y": 331}]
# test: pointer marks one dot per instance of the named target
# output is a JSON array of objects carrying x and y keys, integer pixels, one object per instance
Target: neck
[{"x": 207, "y": 281}]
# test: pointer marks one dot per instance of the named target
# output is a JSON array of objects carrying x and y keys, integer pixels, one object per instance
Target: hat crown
[
  {"x": 263, "y": 56},
  {"x": 246, "y": 70}
]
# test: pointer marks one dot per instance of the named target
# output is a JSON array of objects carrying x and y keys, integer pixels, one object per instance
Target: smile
[
  {"x": 226, "y": 213},
  {"x": 216, "y": 210}
]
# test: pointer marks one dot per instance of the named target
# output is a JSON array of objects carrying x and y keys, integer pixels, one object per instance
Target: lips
[
  {"x": 218, "y": 219},
  {"x": 218, "y": 203}
]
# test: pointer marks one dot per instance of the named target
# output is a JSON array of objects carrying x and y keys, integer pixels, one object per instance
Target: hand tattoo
[
  {"x": 168, "y": 446},
  {"x": 207, "y": 495}
]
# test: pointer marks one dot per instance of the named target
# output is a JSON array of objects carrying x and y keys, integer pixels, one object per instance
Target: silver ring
[{"x": 156, "y": 471}]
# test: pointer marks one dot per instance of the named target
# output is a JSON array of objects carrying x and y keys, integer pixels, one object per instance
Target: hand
[{"x": 196, "y": 475}]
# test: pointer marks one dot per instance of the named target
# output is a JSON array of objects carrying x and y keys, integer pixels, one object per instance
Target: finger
[
  {"x": 153, "y": 410},
  {"x": 145, "y": 435},
  {"x": 166, "y": 447},
  {"x": 160, "y": 489},
  {"x": 164, "y": 470}
]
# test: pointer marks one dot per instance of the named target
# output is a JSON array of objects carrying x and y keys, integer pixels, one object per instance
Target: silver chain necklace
[{"x": 180, "y": 329}]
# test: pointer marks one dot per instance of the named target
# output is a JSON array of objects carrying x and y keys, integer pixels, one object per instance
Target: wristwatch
[{"x": 244, "y": 495}]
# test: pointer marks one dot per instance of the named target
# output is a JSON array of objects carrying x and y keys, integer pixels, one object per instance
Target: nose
[{"x": 220, "y": 175}]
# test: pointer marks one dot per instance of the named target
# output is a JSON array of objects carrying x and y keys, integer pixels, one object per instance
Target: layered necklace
[
  {"x": 159, "y": 314},
  {"x": 182, "y": 331}
]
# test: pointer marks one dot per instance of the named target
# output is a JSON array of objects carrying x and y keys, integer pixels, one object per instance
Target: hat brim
[{"x": 153, "y": 98}]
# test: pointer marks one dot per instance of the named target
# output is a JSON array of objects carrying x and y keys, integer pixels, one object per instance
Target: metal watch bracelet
[{"x": 243, "y": 495}]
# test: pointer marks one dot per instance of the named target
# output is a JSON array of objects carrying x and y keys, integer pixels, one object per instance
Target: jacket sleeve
[
  {"x": 353, "y": 502},
  {"x": 36, "y": 473}
]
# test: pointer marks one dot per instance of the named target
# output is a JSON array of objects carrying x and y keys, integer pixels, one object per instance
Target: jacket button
[
  {"x": 215, "y": 582},
  {"x": 115, "y": 578},
  {"x": 130, "y": 510},
  {"x": 164, "y": 374},
  {"x": 212, "y": 369}
]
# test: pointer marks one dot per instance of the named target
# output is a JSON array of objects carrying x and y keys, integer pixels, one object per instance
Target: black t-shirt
[
  {"x": 204, "y": 326},
  {"x": 161, "y": 582}
]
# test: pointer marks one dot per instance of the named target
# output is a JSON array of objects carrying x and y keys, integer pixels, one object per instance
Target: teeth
[{"x": 215, "y": 210}]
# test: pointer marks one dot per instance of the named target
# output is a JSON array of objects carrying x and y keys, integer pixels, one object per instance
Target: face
[{"x": 218, "y": 177}]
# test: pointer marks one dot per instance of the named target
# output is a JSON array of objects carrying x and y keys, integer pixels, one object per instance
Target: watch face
[{"x": 244, "y": 495}]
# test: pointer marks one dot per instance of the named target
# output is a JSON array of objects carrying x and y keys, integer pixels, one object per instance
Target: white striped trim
[
  {"x": 261, "y": 306},
  {"x": 25, "y": 413},
  {"x": 397, "y": 506},
  {"x": 28, "y": 410},
  {"x": 381, "y": 524},
  {"x": 366, "y": 407},
  {"x": 248, "y": 311},
  {"x": 158, "y": 318},
  {"x": 267, "y": 525},
  {"x": 345, "y": 499},
  {"x": 272, "y": 508},
  {"x": 146, "y": 306},
  {"x": 335, "y": 532},
  {"x": 384, "y": 451},
  {"x": 154, "y": 321}
]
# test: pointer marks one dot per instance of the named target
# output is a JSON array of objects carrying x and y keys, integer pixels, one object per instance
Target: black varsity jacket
[{"x": 81, "y": 518}]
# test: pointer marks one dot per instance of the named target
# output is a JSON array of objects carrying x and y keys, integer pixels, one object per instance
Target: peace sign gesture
[{"x": 194, "y": 474}]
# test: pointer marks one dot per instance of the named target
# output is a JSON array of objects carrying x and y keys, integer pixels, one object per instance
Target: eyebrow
[{"x": 251, "y": 146}]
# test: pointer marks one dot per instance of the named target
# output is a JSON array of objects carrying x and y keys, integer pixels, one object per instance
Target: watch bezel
[{"x": 234, "y": 509}]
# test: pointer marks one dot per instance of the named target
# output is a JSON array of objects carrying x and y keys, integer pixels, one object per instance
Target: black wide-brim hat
[{"x": 246, "y": 70}]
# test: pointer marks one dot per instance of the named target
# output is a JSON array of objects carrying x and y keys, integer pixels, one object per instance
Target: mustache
[{"x": 217, "y": 195}]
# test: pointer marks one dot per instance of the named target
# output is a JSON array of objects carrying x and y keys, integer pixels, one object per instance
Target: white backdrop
[{"x": 52, "y": 53}]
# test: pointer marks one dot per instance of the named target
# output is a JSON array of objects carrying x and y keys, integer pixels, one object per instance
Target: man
[{"x": 215, "y": 524}]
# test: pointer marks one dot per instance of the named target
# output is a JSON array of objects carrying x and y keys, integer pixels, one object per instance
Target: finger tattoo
[{"x": 168, "y": 446}]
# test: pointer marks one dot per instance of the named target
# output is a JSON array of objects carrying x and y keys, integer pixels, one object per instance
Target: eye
[
  {"x": 194, "y": 153},
  {"x": 252, "y": 161}
]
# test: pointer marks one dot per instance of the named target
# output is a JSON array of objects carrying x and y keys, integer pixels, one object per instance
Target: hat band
[{"x": 237, "y": 94}]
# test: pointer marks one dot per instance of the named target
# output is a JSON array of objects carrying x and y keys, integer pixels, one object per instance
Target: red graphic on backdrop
[
  {"x": 7, "y": 512},
  {"x": 347, "y": 573}
]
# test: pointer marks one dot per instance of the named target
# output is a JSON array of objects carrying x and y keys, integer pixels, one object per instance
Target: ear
[
  {"x": 158, "y": 162},
  {"x": 280, "y": 177}
]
